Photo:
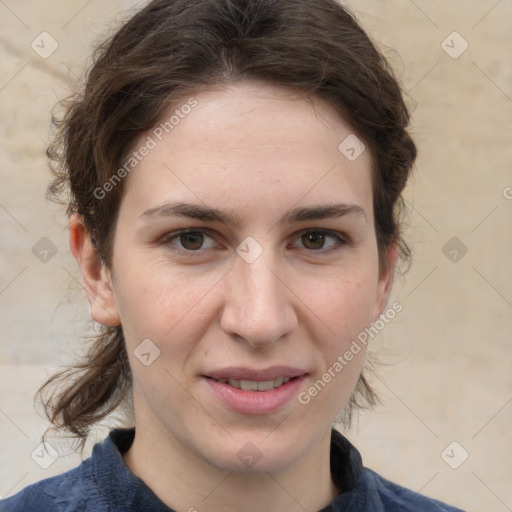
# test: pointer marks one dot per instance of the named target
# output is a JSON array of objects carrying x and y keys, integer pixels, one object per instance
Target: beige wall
[{"x": 448, "y": 353}]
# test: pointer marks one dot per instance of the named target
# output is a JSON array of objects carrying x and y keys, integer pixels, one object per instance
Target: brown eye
[
  {"x": 192, "y": 241},
  {"x": 318, "y": 240},
  {"x": 188, "y": 241},
  {"x": 313, "y": 240}
]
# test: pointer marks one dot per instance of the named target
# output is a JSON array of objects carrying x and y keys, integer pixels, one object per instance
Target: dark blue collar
[{"x": 120, "y": 485}]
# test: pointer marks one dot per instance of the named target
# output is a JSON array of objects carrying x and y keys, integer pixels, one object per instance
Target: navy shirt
[{"x": 103, "y": 483}]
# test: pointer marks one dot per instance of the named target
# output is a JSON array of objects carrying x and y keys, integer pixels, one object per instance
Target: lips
[{"x": 251, "y": 391}]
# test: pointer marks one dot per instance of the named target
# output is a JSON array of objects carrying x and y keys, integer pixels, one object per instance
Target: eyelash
[{"x": 338, "y": 237}]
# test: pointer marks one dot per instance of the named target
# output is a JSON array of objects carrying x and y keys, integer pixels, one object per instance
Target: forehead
[{"x": 250, "y": 143}]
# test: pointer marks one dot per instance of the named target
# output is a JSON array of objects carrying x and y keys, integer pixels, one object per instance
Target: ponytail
[{"x": 76, "y": 398}]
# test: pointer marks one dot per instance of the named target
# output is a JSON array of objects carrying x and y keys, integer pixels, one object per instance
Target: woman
[{"x": 235, "y": 170}]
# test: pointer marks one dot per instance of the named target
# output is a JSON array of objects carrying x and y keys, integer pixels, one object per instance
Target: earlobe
[{"x": 96, "y": 276}]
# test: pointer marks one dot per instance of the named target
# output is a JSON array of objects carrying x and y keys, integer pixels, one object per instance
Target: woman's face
[{"x": 245, "y": 249}]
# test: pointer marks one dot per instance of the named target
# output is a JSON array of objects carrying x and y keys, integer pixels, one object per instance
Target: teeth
[
  {"x": 265, "y": 385},
  {"x": 253, "y": 385},
  {"x": 234, "y": 383},
  {"x": 249, "y": 385}
]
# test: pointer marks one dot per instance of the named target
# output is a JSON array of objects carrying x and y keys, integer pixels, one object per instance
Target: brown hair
[{"x": 173, "y": 47}]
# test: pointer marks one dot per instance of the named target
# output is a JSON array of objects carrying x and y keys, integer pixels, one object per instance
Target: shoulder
[
  {"x": 97, "y": 483},
  {"x": 63, "y": 492},
  {"x": 82, "y": 488},
  {"x": 364, "y": 489},
  {"x": 394, "y": 497}
]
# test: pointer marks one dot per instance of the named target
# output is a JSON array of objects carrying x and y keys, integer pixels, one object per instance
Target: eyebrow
[{"x": 208, "y": 214}]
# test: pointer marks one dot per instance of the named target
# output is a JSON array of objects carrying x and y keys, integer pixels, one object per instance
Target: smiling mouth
[
  {"x": 254, "y": 385},
  {"x": 255, "y": 392}
]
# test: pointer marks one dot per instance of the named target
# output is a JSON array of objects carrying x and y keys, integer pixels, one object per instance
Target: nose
[{"x": 259, "y": 307}]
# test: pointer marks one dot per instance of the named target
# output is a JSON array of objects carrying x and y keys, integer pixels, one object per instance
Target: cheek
[
  {"x": 346, "y": 309},
  {"x": 171, "y": 309},
  {"x": 157, "y": 303},
  {"x": 344, "y": 304}
]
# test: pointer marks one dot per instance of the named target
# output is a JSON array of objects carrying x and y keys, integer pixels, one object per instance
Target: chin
[{"x": 255, "y": 454}]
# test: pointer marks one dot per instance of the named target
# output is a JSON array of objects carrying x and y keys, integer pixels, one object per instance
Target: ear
[
  {"x": 385, "y": 282},
  {"x": 95, "y": 275}
]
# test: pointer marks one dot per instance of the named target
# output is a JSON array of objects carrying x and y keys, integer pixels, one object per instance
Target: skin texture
[{"x": 257, "y": 151}]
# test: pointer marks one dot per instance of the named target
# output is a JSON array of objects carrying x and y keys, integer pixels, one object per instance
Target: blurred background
[{"x": 444, "y": 426}]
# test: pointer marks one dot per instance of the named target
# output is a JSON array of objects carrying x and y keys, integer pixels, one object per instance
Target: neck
[{"x": 186, "y": 482}]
